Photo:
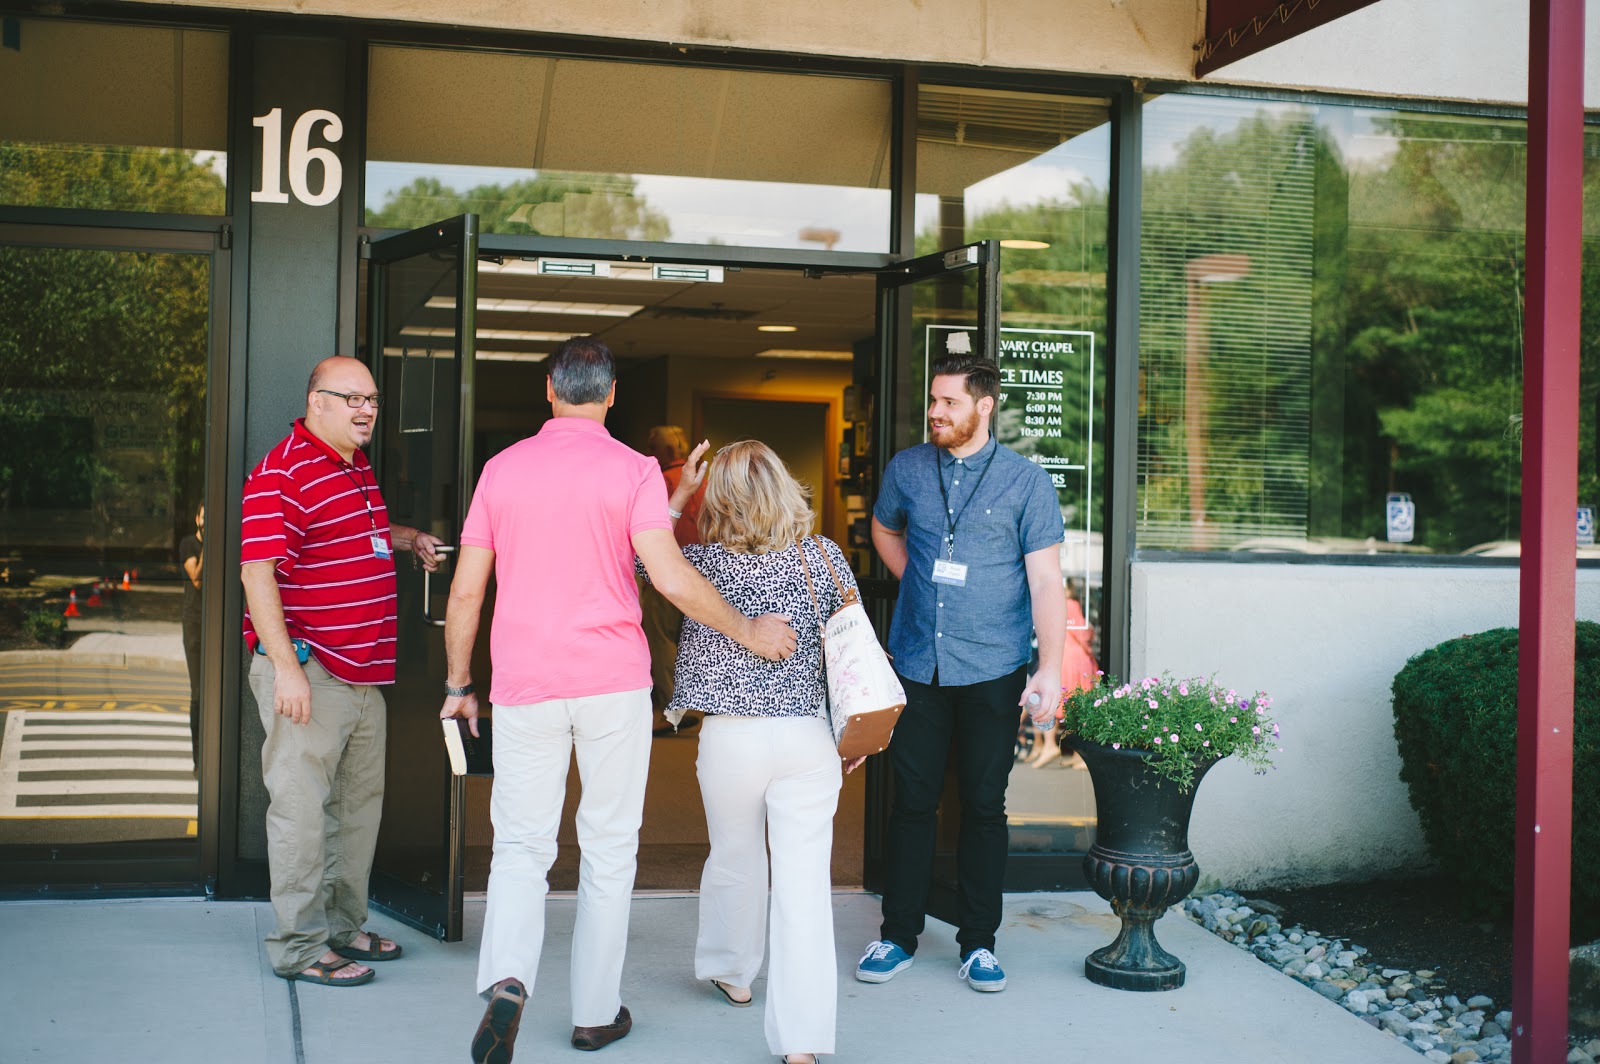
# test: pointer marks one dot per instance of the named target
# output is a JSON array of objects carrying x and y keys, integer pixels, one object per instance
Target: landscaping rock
[
  {"x": 1583, "y": 990},
  {"x": 1415, "y": 1007}
]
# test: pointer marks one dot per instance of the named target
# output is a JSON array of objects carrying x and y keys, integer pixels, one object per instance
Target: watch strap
[{"x": 457, "y": 692}]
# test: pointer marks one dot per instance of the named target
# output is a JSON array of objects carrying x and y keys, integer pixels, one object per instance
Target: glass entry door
[
  {"x": 112, "y": 394},
  {"x": 946, "y": 302},
  {"x": 949, "y": 303},
  {"x": 420, "y": 336}
]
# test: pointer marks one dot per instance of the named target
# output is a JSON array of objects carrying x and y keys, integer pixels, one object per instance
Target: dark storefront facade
[{"x": 1231, "y": 321}]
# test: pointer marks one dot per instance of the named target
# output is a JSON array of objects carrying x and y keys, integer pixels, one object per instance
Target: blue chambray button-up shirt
[{"x": 1004, "y": 508}]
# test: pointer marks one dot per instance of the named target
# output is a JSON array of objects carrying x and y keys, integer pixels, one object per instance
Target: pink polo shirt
[{"x": 559, "y": 510}]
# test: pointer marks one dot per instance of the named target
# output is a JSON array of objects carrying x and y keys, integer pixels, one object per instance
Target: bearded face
[{"x": 954, "y": 417}]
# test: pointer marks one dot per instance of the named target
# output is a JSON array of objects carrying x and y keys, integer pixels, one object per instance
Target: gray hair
[{"x": 582, "y": 371}]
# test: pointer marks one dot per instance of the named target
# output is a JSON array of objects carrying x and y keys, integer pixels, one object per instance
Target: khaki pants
[
  {"x": 662, "y": 624},
  {"x": 325, "y": 781}
]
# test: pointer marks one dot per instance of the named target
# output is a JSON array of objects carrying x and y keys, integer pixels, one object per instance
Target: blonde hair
[
  {"x": 753, "y": 504},
  {"x": 669, "y": 437}
]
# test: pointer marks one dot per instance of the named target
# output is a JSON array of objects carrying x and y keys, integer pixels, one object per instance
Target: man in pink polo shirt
[{"x": 558, "y": 519}]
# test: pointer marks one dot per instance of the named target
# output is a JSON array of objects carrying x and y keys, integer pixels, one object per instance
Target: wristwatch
[{"x": 458, "y": 692}]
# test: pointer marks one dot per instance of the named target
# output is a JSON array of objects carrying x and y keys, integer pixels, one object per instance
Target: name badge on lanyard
[
  {"x": 380, "y": 546},
  {"x": 949, "y": 572}
]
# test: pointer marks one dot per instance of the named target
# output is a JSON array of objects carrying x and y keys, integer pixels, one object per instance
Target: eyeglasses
[{"x": 353, "y": 401}]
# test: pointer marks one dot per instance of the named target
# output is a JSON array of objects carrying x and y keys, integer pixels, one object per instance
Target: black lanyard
[
  {"x": 951, "y": 520},
  {"x": 372, "y": 522}
]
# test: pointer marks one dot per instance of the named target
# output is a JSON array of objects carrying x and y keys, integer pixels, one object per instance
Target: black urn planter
[{"x": 1140, "y": 862}]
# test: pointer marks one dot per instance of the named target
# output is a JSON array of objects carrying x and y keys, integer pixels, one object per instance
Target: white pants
[
  {"x": 532, "y": 747},
  {"x": 777, "y": 779}
]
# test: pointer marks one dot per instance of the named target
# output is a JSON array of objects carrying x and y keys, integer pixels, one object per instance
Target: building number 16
[{"x": 301, "y": 156}]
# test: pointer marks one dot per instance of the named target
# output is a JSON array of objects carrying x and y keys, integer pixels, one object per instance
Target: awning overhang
[{"x": 1237, "y": 28}]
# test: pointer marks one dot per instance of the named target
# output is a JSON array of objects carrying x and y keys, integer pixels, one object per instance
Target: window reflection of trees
[
  {"x": 102, "y": 363},
  {"x": 1375, "y": 344},
  {"x": 598, "y": 206}
]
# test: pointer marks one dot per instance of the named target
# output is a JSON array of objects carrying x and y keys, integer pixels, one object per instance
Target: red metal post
[{"x": 1549, "y": 533}]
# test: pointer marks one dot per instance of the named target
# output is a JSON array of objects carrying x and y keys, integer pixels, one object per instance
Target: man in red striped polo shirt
[{"x": 318, "y": 572}]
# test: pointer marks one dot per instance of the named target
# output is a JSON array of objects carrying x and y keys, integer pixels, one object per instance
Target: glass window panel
[
  {"x": 140, "y": 125},
  {"x": 1033, "y": 171},
  {"x": 1331, "y": 326},
  {"x": 628, "y": 151},
  {"x": 102, "y": 405}
]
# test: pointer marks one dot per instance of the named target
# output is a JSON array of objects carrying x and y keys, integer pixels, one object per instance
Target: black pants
[
  {"x": 982, "y": 719},
  {"x": 191, "y": 655}
]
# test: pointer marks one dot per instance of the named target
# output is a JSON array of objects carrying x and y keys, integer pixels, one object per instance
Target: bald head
[{"x": 329, "y": 415}]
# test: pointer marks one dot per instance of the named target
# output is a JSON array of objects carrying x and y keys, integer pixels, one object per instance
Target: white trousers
[
  {"x": 771, "y": 779},
  {"x": 533, "y": 745}
]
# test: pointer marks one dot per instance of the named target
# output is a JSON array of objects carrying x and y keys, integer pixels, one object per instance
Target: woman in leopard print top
[{"x": 768, "y": 768}]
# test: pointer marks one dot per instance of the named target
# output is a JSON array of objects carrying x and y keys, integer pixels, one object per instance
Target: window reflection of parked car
[
  {"x": 1510, "y": 548},
  {"x": 1324, "y": 545}
]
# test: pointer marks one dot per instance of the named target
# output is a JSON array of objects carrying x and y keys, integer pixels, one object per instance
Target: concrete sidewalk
[{"x": 148, "y": 981}]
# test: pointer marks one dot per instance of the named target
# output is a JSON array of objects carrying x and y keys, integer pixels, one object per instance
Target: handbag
[{"x": 864, "y": 694}]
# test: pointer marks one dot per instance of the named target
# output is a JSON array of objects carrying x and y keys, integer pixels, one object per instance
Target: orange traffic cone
[
  {"x": 125, "y": 584},
  {"x": 136, "y": 576},
  {"x": 72, "y": 604},
  {"x": 94, "y": 595}
]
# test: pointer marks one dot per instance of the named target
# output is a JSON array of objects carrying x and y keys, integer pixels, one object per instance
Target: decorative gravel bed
[{"x": 1413, "y": 1006}]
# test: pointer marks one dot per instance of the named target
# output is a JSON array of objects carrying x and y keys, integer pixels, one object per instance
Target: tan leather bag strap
[
  {"x": 810, "y": 587},
  {"x": 846, "y": 595}
]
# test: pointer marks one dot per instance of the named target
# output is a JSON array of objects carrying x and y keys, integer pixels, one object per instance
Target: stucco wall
[
  {"x": 1149, "y": 38},
  {"x": 1325, "y": 642},
  {"x": 1475, "y": 50}
]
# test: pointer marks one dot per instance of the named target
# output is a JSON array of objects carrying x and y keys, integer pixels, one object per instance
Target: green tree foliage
[
  {"x": 102, "y": 359},
  {"x": 107, "y": 178},
  {"x": 1061, "y": 287},
  {"x": 1226, "y": 290},
  {"x": 1375, "y": 343},
  {"x": 1455, "y": 719},
  {"x": 598, "y": 206}
]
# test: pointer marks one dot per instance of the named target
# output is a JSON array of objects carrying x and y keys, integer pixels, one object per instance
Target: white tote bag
[{"x": 864, "y": 695}]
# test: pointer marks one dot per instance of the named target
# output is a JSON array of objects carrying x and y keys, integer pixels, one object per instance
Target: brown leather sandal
[
  {"x": 378, "y": 953},
  {"x": 323, "y": 974}
]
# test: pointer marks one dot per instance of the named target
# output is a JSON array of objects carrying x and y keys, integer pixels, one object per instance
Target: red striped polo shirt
[{"x": 314, "y": 514}]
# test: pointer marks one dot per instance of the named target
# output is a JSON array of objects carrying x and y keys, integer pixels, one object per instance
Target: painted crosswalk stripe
[{"x": 119, "y": 764}]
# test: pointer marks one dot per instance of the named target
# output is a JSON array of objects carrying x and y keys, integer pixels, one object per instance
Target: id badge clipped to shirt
[
  {"x": 948, "y": 571},
  {"x": 380, "y": 546}
]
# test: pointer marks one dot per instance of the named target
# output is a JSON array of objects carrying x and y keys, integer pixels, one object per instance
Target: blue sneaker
[
  {"x": 982, "y": 972},
  {"x": 881, "y": 962}
]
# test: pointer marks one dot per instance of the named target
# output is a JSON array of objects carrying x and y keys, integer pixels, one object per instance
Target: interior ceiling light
[
  {"x": 494, "y": 334},
  {"x": 1025, "y": 245},
  {"x": 795, "y": 352},
  {"x": 543, "y": 306},
  {"x": 588, "y": 269},
  {"x": 511, "y": 356},
  {"x": 775, "y": 328}
]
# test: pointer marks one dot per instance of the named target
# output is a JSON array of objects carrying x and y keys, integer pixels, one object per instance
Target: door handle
[{"x": 427, "y": 588}]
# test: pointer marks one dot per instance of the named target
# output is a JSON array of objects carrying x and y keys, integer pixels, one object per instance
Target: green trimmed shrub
[
  {"x": 1455, "y": 719},
  {"x": 46, "y": 626}
]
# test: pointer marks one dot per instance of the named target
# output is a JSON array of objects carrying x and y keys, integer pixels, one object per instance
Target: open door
[
  {"x": 420, "y": 332},
  {"x": 947, "y": 302}
]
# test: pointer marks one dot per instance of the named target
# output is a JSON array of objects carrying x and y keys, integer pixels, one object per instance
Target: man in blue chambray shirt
[{"x": 973, "y": 531}]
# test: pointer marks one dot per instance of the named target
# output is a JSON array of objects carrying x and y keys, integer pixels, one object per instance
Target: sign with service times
[{"x": 1046, "y": 411}]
